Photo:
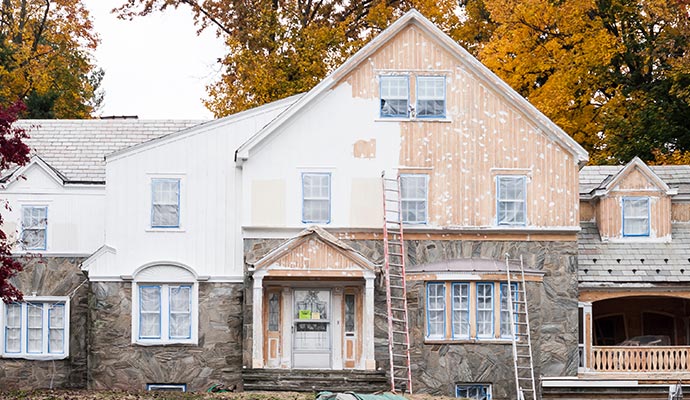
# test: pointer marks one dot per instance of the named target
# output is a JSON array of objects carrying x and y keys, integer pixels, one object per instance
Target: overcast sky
[{"x": 155, "y": 66}]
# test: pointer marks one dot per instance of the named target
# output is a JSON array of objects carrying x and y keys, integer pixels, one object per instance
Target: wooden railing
[{"x": 640, "y": 359}]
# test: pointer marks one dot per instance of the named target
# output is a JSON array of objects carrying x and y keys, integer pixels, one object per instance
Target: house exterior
[{"x": 247, "y": 250}]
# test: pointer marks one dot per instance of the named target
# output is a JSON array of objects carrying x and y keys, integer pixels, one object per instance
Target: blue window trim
[
  {"x": 498, "y": 199},
  {"x": 21, "y": 319},
  {"x": 426, "y": 200},
  {"x": 152, "y": 386},
  {"x": 407, "y": 111},
  {"x": 452, "y": 307},
  {"x": 428, "y": 333},
  {"x": 50, "y": 310},
  {"x": 37, "y": 305},
  {"x": 160, "y": 310},
  {"x": 445, "y": 100},
  {"x": 170, "y": 288},
  {"x": 45, "y": 235},
  {"x": 483, "y": 389},
  {"x": 649, "y": 219},
  {"x": 179, "y": 209},
  {"x": 493, "y": 311},
  {"x": 513, "y": 286},
  {"x": 330, "y": 190}
]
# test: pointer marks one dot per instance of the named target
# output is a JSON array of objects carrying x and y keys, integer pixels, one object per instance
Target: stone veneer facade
[
  {"x": 116, "y": 363},
  {"x": 52, "y": 276},
  {"x": 438, "y": 367}
]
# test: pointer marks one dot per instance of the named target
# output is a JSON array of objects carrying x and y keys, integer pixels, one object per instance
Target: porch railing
[{"x": 640, "y": 359}]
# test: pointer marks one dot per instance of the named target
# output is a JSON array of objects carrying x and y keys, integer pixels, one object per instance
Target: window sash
[
  {"x": 436, "y": 310},
  {"x": 394, "y": 96},
  {"x": 636, "y": 216},
  {"x": 165, "y": 203},
  {"x": 13, "y": 328},
  {"x": 431, "y": 96},
  {"x": 34, "y": 227},
  {"x": 414, "y": 198},
  {"x": 180, "y": 321},
  {"x": 485, "y": 310},
  {"x": 166, "y": 312},
  {"x": 461, "y": 310},
  {"x": 511, "y": 200},
  {"x": 56, "y": 329},
  {"x": 150, "y": 312},
  {"x": 505, "y": 310},
  {"x": 35, "y": 328},
  {"x": 316, "y": 197}
]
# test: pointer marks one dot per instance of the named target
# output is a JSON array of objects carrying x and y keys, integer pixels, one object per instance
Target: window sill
[
  {"x": 468, "y": 341},
  {"x": 395, "y": 119},
  {"x": 173, "y": 230},
  {"x": 36, "y": 357},
  {"x": 159, "y": 342}
]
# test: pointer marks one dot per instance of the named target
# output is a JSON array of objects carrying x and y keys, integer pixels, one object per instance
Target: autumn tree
[
  {"x": 13, "y": 152},
  {"x": 45, "y": 58}
]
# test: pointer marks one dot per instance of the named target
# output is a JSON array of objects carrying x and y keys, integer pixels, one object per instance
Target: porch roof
[{"x": 637, "y": 262}]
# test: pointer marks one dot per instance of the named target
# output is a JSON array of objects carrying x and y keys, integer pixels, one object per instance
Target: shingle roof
[
  {"x": 596, "y": 176},
  {"x": 634, "y": 261},
  {"x": 76, "y": 148}
]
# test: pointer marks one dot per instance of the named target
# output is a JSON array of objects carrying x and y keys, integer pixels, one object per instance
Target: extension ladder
[
  {"x": 522, "y": 342},
  {"x": 396, "y": 290}
]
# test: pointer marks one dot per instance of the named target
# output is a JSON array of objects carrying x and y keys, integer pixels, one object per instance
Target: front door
[{"x": 312, "y": 329}]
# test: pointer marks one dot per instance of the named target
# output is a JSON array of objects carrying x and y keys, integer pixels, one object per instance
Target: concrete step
[{"x": 310, "y": 380}]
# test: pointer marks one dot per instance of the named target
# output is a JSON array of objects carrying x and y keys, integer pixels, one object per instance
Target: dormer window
[
  {"x": 395, "y": 97},
  {"x": 636, "y": 216}
]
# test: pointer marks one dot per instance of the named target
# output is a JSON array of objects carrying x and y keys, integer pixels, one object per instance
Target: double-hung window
[
  {"x": 36, "y": 329},
  {"x": 316, "y": 198},
  {"x": 436, "y": 310},
  {"x": 413, "y": 198},
  {"x": 165, "y": 312},
  {"x": 461, "y": 310},
  {"x": 165, "y": 203},
  {"x": 34, "y": 227},
  {"x": 394, "y": 96},
  {"x": 485, "y": 310},
  {"x": 505, "y": 308},
  {"x": 511, "y": 205},
  {"x": 431, "y": 97},
  {"x": 473, "y": 391},
  {"x": 636, "y": 216}
]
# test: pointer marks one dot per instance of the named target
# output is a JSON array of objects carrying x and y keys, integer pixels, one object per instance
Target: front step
[{"x": 314, "y": 380}]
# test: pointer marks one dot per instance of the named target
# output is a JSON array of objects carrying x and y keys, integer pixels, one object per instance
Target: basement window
[
  {"x": 473, "y": 391},
  {"x": 166, "y": 387}
]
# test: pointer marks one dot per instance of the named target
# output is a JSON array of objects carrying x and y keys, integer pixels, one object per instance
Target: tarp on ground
[{"x": 357, "y": 396}]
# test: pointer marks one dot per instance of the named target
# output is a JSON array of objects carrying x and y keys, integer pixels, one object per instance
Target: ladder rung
[
  {"x": 398, "y": 298},
  {"x": 397, "y": 287},
  {"x": 397, "y": 320},
  {"x": 399, "y": 355},
  {"x": 400, "y": 343},
  {"x": 397, "y": 309}
]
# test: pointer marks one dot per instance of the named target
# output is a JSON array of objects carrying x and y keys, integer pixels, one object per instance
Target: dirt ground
[{"x": 108, "y": 395}]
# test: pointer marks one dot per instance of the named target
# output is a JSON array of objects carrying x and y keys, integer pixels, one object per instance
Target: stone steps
[
  {"x": 657, "y": 392},
  {"x": 309, "y": 380}
]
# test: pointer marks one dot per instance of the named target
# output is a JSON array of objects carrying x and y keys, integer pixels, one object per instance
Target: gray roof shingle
[
  {"x": 76, "y": 148},
  {"x": 595, "y": 176}
]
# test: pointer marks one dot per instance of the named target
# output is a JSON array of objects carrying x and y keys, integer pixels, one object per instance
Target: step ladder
[
  {"x": 396, "y": 290},
  {"x": 522, "y": 342}
]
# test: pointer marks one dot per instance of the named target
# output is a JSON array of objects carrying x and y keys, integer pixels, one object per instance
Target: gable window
[
  {"x": 511, "y": 195},
  {"x": 413, "y": 198},
  {"x": 34, "y": 227},
  {"x": 636, "y": 216},
  {"x": 36, "y": 329},
  {"x": 394, "y": 96},
  {"x": 316, "y": 197},
  {"x": 473, "y": 391},
  {"x": 165, "y": 203},
  {"x": 165, "y": 312},
  {"x": 431, "y": 97}
]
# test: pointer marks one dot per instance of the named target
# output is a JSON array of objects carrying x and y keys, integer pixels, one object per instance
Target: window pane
[
  {"x": 180, "y": 326},
  {"x": 165, "y": 203},
  {"x": 34, "y": 326},
  {"x": 436, "y": 309},
  {"x": 394, "y": 96},
  {"x": 13, "y": 328},
  {"x": 349, "y": 313},
  {"x": 485, "y": 310},
  {"x": 505, "y": 311},
  {"x": 149, "y": 312},
  {"x": 461, "y": 312},
  {"x": 179, "y": 299},
  {"x": 273, "y": 312},
  {"x": 180, "y": 312}
]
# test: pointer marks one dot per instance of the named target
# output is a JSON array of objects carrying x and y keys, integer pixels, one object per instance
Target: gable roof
[
  {"x": 635, "y": 163},
  {"x": 414, "y": 17},
  {"x": 598, "y": 177},
  {"x": 75, "y": 149},
  {"x": 322, "y": 235},
  {"x": 17, "y": 172}
]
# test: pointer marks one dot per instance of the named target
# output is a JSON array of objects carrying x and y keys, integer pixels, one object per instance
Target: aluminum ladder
[
  {"x": 396, "y": 290},
  {"x": 522, "y": 342}
]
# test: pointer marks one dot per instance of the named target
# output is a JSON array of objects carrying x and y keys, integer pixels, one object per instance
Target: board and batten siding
[{"x": 483, "y": 136}]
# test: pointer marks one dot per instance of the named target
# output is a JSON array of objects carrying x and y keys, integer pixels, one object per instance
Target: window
[
  {"x": 470, "y": 308},
  {"x": 34, "y": 227},
  {"x": 166, "y": 387},
  {"x": 473, "y": 391},
  {"x": 36, "y": 329},
  {"x": 431, "y": 97},
  {"x": 413, "y": 198},
  {"x": 511, "y": 200},
  {"x": 505, "y": 309},
  {"x": 165, "y": 312},
  {"x": 394, "y": 96},
  {"x": 165, "y": 203},
  {"x": 636, "y": 216},
  {"x": 316, "y": 197}
]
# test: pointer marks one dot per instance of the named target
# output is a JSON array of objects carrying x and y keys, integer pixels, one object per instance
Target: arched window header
[{"x": 165, "y": 273}]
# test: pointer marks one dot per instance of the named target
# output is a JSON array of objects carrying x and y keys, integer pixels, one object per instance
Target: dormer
[{"x": 633, "y": 204}]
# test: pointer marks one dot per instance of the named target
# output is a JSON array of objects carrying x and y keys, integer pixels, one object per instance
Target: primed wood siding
[
  {"x": 587, "y": 211},
  {"x": 484, "y": 136},
  {"x": 314, "y": 254},
  {"x": 680, "y": 212}
]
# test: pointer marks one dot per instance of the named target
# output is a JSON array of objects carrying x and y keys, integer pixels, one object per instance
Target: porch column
[
  {"x": 587, "y": 334},
  {"x": 257, "y": 321},
  {"x": 368, "y": 328}
]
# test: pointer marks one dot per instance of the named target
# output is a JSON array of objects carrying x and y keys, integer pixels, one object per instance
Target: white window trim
[
  {"x": 165, "y": 314},
  {"x": 425, "y": 199},
  {"x": 523, "y": 201},
  {"x": 328, "y": 220},
  {"x": 487, "y": 386},
  {"x": 150, "y": 177},
  {"x": 153, "y": 387},
  {"x": 22, "y": 247},
  {"x": 23, "y": 354},
  {"x": 647, "y": 217}
]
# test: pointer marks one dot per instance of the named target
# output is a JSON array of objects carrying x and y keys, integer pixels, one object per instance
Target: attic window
[
  {"x": 636, "y": 216},
  {"x": 395, "y": 96}
]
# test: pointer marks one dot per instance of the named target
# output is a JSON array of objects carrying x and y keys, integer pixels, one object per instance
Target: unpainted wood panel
[
  {"x": 635, "y": 180},
  {"x": 610, "y": 216},
  {"x": 587, "y": 211},
  {"x": 314, "y": 254},
  {"x": 680, "y": 212},
  {"x": 484, "y": 136}
]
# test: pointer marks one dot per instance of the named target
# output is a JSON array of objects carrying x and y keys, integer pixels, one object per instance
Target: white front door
[{"x": 312, "y": 329}]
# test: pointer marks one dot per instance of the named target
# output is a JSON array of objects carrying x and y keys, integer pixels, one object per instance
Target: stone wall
[
  {"x": 438, "y": 367},
  {"x": 115, "y": 363},
  {"x": 52, "y": 276}
]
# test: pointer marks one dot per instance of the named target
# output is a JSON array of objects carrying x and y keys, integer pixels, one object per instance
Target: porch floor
[{"x": 313, "y": 380}]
